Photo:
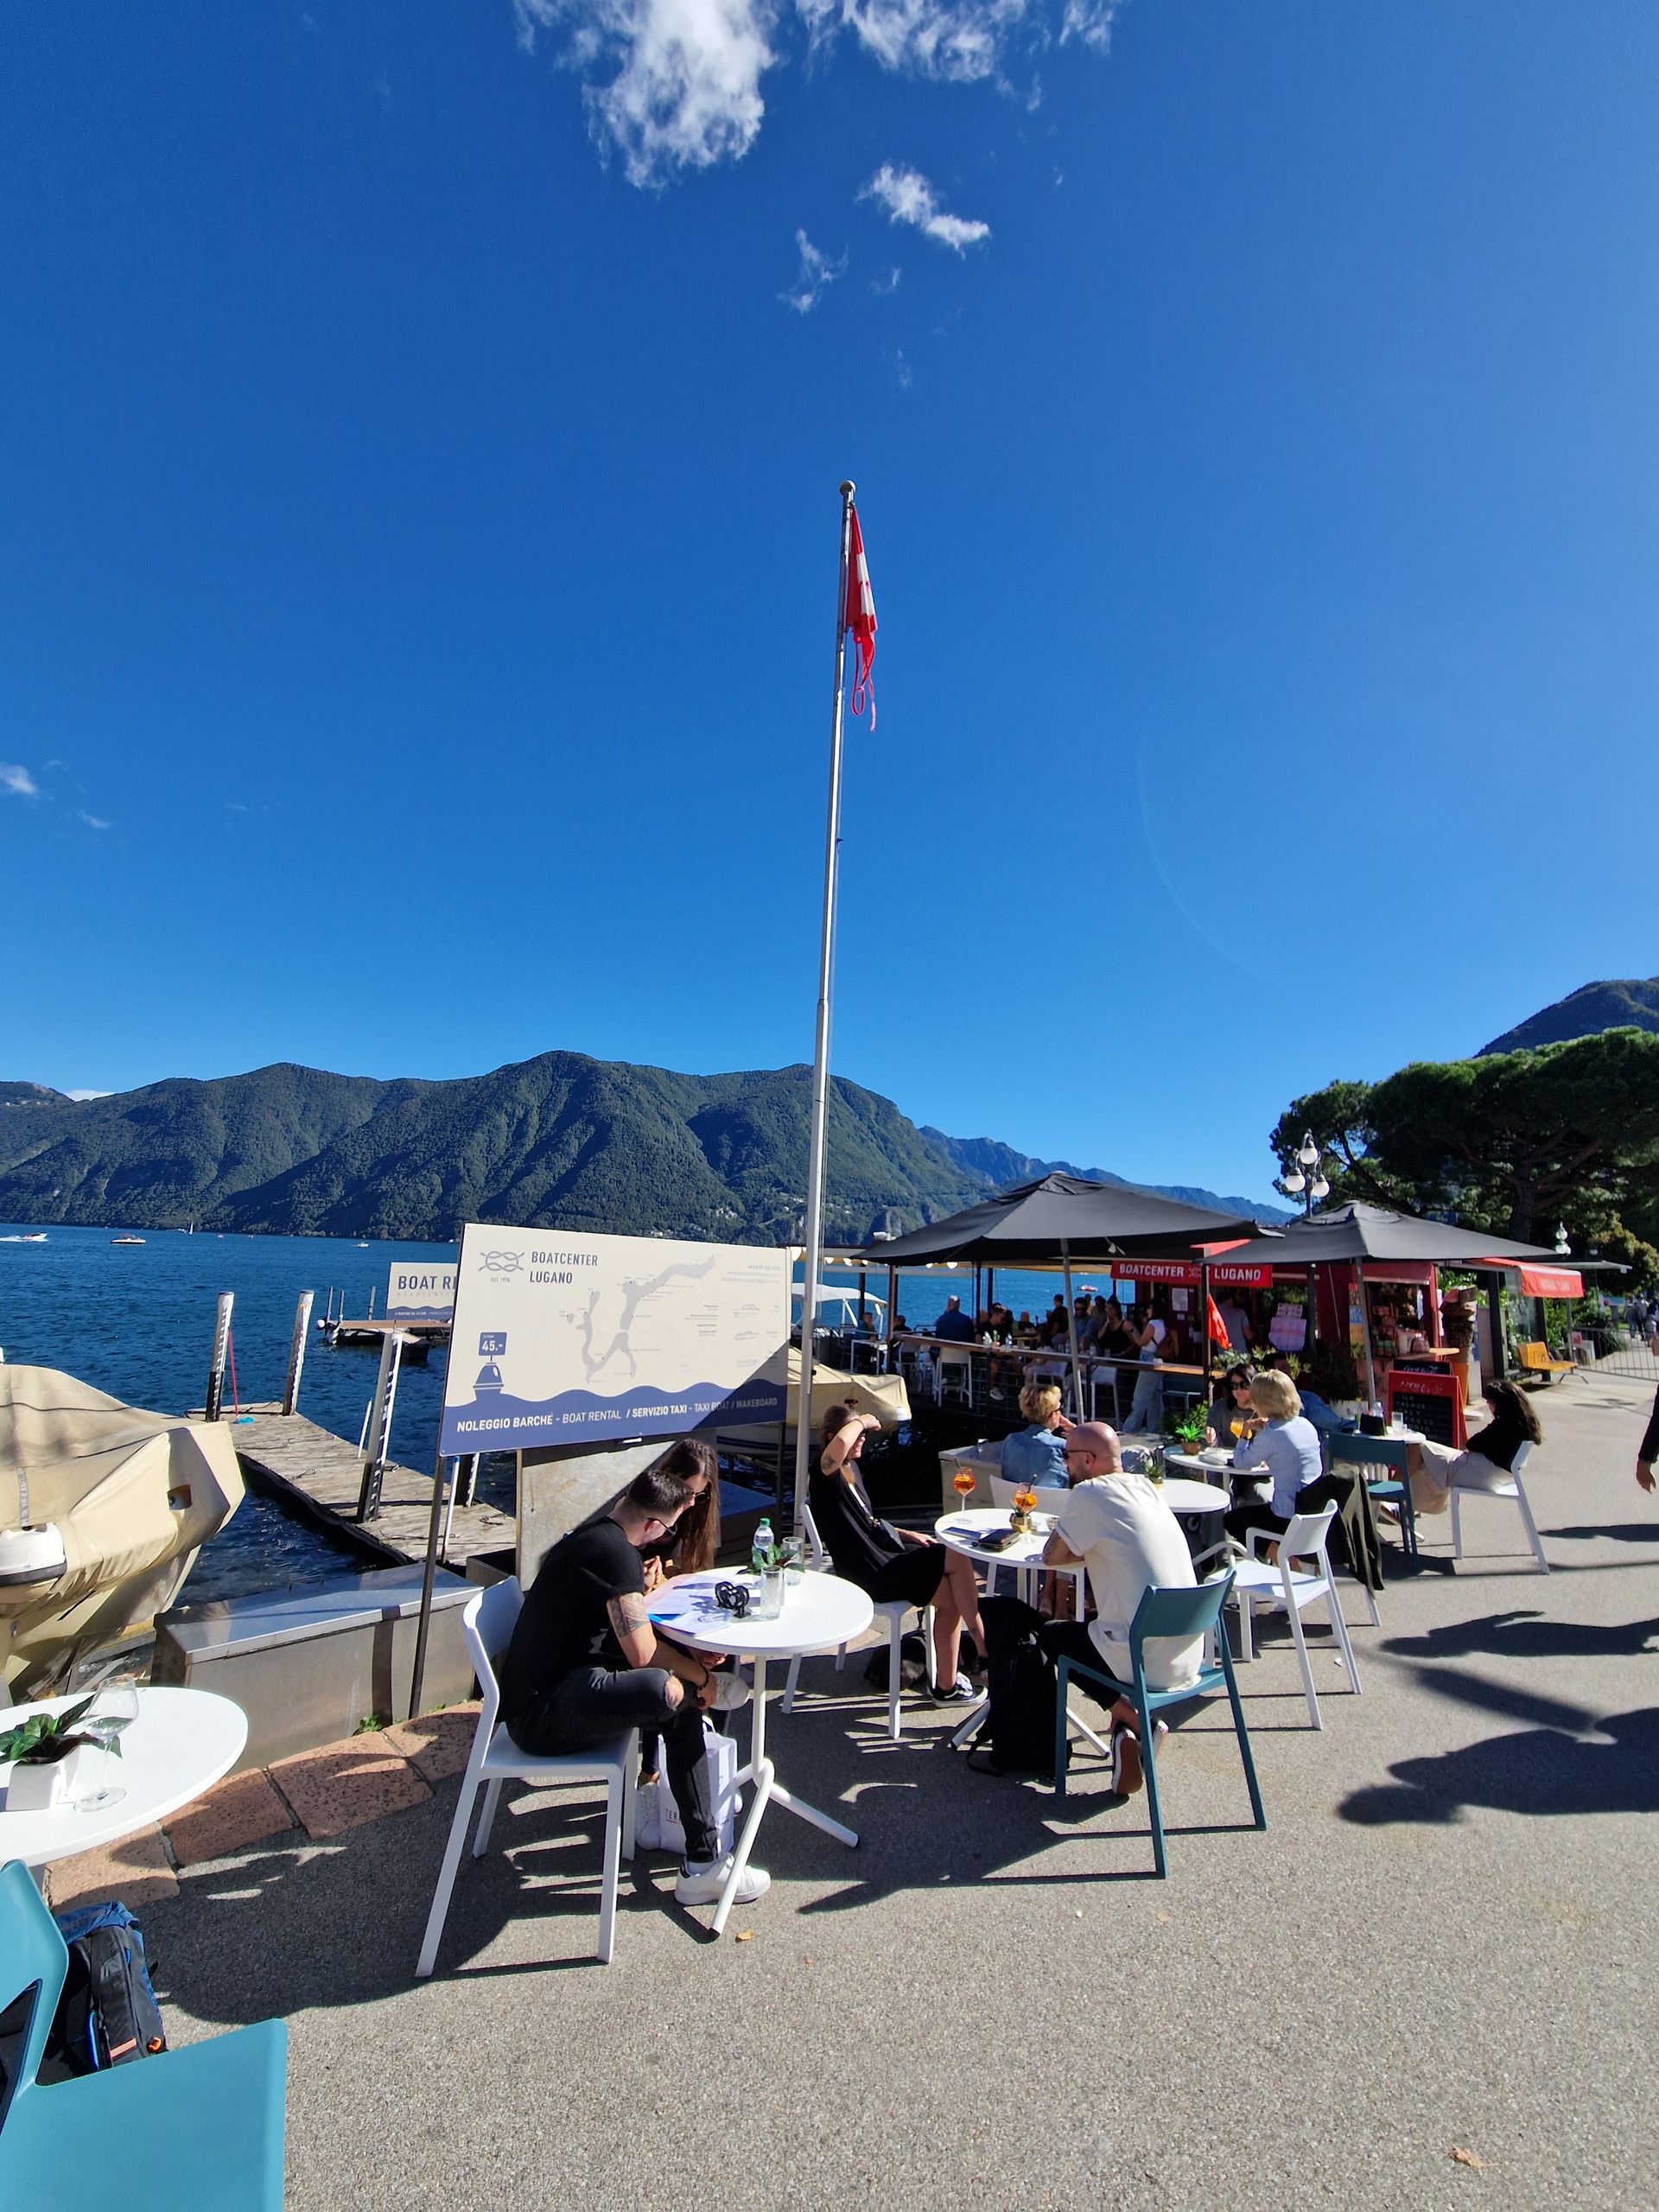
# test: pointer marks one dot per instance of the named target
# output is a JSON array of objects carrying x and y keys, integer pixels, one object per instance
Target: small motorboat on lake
[{"x": 126, "y": 1240}]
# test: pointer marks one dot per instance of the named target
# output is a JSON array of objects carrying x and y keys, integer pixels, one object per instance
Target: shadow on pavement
[
  {"x": 1527, "y": 1634},
  {"x": 1617, "y": 1532},
  {"x": 1544, "y": 1772}
]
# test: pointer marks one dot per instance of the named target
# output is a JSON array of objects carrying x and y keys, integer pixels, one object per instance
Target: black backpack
[
  {"x": 108, "y": 2015},
  {"x": 1020, "y": 1679}
]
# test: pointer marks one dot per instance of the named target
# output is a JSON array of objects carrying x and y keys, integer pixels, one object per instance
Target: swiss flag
[{"x": 859, "y": 617}]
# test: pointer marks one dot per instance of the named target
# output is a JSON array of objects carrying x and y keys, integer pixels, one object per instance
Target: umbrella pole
[
  {"x": 1071, "y": 1332},
  {"x": 1204, "y": 1325},
  {"x": 1371, "y": 1398}
]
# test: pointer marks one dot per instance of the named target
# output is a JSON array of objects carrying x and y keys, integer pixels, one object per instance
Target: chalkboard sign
[{"x": 1431, "y": 1403}]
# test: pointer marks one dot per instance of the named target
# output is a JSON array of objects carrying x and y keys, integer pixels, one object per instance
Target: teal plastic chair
[
  {"x": 1184, "y": 1614},
  {"x": 195, "y": 2130},
  {"x": 1343, "y": 1449}
]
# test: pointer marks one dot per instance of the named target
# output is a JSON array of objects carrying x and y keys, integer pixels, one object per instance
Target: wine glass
[
  {"x": 117, "y": 1701},
  {"x": 1237, "y": 1426},
  {"x": 965, "y": 1484}
]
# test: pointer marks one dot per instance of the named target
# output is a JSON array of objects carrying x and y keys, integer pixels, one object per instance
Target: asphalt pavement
[{"x": 1429, "y": 1983}]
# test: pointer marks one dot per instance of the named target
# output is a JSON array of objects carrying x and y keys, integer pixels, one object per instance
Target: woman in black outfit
[
  {"x": 890, "y": 1562},
  {"x": 1436, "y": 1470}
]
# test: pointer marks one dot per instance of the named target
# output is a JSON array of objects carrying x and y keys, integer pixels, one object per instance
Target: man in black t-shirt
[{"x": 584, "y": 1664}]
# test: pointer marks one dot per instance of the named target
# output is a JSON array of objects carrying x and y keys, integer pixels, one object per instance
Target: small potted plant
[{"x": 50, "y": 1750}]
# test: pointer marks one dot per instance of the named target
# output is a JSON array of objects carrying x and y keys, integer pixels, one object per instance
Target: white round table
[
  {"x": 180, "y": 1744},
  {"x": 821, "y": 1612}
]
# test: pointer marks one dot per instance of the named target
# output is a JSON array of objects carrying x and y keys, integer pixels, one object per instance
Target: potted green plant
[{"x": 45, "y": 1751}]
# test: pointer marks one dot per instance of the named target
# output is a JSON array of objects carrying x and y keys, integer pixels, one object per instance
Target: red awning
[{"x": 1540, "y": 1281}]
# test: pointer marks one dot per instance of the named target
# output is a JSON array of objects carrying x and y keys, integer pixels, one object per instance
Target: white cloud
[
  {"x": 92, "y": 820},
  {"x": 1089, "y": 21},
  {"x": 885, "y": 286},
  {"x": 17, "y": 780},
  {"x": 961, "y": 41},
  {"x": 686, "y": 91},
  {"x": 673, "y": 84},
  {"x": 909, "y": 198},
  {"x": 817, "y": 273},
  {"x": 88, "y": 1094}
]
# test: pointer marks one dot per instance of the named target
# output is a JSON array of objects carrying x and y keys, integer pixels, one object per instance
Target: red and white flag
[
  {"x": 1218, "y": 1329},
  {"x": 859, "y": 617}
]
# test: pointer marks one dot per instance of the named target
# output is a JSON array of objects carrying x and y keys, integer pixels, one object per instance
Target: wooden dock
[
  {"x": 419, "y": 1336},
  {"x": 322, "y": 1473}
]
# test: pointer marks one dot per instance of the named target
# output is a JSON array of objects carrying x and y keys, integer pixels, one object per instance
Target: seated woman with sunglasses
[
  {"x": 891, "y": 1563},
  {"x": 1230, "y": 1403},
  {"x": 689, "y": 1547},
  {"x": 584, "y": 1664}
]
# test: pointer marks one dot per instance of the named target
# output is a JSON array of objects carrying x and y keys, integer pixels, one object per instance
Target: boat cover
[{"x": 134, "y": 1496}]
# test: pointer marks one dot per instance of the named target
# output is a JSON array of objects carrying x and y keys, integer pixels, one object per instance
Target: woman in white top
[
  {"x": 1286, "y": 1447},
  {"x": 1146, "y": 1406}
]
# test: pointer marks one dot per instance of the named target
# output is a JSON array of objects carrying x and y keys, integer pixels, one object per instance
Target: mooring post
[
  {"x": 221, "y": 1347},
  {"x": 379, "y": 1429},
  {"x": 296, "y": 1351}
]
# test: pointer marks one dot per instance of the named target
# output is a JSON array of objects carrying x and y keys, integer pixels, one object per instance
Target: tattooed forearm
[{"x": 627, "y": 1614}]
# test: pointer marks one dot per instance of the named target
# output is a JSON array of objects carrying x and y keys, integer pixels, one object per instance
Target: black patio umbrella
[
  {"x": 1062, "y": 1218},
  {"x": 1356, "y": 1230}
]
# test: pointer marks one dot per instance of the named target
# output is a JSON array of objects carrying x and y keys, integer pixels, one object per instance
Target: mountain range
[
  {"x": 1629, "y": 1004},
  {"x": 560, "y": 1141}
]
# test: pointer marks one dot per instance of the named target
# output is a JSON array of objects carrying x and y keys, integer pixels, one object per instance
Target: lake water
[{"x": 137, "y": 1320}]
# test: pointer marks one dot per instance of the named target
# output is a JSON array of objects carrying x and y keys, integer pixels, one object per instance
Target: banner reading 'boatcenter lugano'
[{"x": 560, "y": 1338}]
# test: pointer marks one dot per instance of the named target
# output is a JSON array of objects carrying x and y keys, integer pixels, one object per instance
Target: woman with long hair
[
  {"x": 687, "y": 1548},
  {"x": 1436, "y": 1470},
  {"x": 889, "y": 1562},
  {"x": 690, "y": 1546}
]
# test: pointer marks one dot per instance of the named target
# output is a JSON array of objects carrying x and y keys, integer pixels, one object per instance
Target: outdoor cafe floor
[{"x": 1447, "y": 1942}]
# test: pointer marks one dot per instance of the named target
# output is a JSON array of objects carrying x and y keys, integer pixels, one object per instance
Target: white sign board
[
  {"x": 562, "y": 1338},
  {"x": 420, "y": 1291}
]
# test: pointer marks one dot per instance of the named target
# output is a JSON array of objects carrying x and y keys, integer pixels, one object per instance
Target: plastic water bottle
[{"x": 765, "y": 1551}]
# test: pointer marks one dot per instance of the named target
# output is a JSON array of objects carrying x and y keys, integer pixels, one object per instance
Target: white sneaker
[
  {"x": 701, "y": 1885},
  {"x": 731, "y": 1694}
]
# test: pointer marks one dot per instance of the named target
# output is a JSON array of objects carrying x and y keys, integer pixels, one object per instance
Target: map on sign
[{"x": 560, "y": 1338}]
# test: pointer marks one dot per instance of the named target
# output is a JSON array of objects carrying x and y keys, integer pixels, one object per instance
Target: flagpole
[{"x": 803, "y": 1431}]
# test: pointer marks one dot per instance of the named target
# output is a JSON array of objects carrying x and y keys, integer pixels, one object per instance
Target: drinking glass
[
  {"x": 794, "y": 1556},
  {"x": 118, "y": 1701},
  {"x": 964, "y": 1484}
]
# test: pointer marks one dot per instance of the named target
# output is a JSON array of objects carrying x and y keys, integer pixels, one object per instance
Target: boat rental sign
[{"x": 562, "y": 1337}]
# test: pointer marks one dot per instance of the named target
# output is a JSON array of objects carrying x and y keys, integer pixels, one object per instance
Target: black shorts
[{"x": 913, "y": 1574}]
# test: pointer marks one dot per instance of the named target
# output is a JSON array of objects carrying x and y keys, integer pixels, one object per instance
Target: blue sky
[{"x": 418, "y": 531}]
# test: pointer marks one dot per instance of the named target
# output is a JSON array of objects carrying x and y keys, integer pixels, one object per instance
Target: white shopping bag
[{"x": 656, "y": 1825}]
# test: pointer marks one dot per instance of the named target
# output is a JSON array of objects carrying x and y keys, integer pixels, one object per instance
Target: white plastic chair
[
  {"x": 895, "y": 1612},
  {"x": 488, "y": 1625},
  {"x": 1511, "y": 1489},
  {"x": 1283, "y": 1587},
  {"x": 954, "y": 1372}
]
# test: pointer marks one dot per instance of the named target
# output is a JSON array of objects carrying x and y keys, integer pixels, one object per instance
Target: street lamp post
[{"x": 1306, "y": 1180}]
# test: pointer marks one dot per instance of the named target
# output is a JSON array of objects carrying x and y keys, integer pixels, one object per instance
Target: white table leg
[{"x": 767, "y": 1788}]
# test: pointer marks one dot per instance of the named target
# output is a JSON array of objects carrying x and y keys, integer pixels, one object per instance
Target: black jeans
[
  {"x": 593, "y": 1705},
  {"x": 1071, "y": 1640}
]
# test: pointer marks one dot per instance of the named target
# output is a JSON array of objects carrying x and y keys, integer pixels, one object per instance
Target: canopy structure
[
  {"x": 1059, "y": 1221},
  {"x": 1358, "y": 1231},
  {"x": 1061, "y": 1217},
  {"x": 1365, "y": 1236}
]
